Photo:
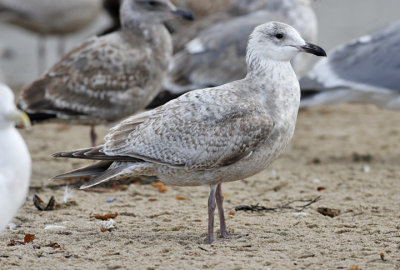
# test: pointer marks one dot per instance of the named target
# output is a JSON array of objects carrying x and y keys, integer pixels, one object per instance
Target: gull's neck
[
  {"x": 154, "y": 34},
  {"x": 275, "y": 85},
  {"x": 142, "y": 29}
]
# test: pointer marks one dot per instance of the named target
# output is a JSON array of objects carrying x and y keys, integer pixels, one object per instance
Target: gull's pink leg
[
  {"x": 220, "y": 199},
  {"x": 211, "y": 210}
]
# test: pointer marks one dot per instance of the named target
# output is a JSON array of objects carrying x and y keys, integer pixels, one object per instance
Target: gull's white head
[
  {"x": 279, "y": 42},
  {"x": 9, "y": 114}
]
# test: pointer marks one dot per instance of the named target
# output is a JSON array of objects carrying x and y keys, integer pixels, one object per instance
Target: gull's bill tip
[
  {"x": 19, "y": 117},
  {"x": 313, "y": 49}
]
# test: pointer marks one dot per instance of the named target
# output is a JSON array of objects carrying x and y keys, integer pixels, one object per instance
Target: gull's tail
[{"x": 107, "y": 168}]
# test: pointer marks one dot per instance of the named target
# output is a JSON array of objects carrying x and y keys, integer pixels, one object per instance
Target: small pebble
[{"x": 110, "y": 200}]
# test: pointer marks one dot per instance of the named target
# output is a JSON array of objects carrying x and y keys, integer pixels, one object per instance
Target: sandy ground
[{"x": 351, "y": 150}]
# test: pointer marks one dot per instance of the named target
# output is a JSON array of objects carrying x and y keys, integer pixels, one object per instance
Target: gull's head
[
  {"x": 9, "y": 114},
  {"x": 280, "y": 42},
  {"x": 151, "y": 11}
]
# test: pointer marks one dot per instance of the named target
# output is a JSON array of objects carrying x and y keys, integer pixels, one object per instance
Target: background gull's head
[
  {"x": 9, "y": 114},
  {"x": 278, "y": 41}
]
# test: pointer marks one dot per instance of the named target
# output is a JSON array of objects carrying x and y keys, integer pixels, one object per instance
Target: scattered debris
[
  {"x": 106, "y": 225},
  {"x": 203, "y": 248},
  {"x": 53, "y": 245},
  {"x": 320, "y": 188},
  {"x": 299, "y": 213},
  {"x": 41, "y": 206},
  {"x": 67, "y": 194},
  {"x": 161, "y": 187},
  {"x": 354, "y": 268},
  {"x": 316, "y": 181},
  {"x": 12, "y": 226},
  {"x": 14, "y": 243},
  {"x": 232, "y": 213},
  {"x": 106, "y": 216},
  {"x": 54, "y": 227},
  {"x": 316, "y": 161},
  {"x": 366, "y": 169},
  {"x": 28, "y": 238},
  {"x": 362, "y": 157},
  {"x": 110, "y": 200},
  {"x": 153, "y": 199},
  {"x": 279, "y": 186},
  {"x": 180, "y": 198},
  {"x": 330, "y": 212},
  {"x": 299, "y": 208}
]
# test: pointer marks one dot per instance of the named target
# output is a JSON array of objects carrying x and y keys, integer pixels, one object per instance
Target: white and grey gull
[
  {"x": 366, "y": 70},
  {"x": 212, "y": 135},
  {"x": 15, "y": 161},
  {"x": 111, "y": 77}
]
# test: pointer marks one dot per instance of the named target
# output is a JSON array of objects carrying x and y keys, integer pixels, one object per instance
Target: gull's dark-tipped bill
[{"x": 313, "y": 49}]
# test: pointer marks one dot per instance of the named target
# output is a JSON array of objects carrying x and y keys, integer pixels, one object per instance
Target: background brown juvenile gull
[
  {"x": 213, "y": 135},
  {"x": 109, "y": 77},
  {"x": 217, "y": 54}
]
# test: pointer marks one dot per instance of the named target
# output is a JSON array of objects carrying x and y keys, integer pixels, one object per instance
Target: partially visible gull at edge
[
  {"x": 213, "y": 135},
  {"x": 366, "y": 70},
  {"x": 111, "y": 77},
  {"x": 217, "y": 55},
  {"x": 15, "y": 161}
]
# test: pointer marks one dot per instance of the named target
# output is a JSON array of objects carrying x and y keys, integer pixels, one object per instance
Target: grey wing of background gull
[
  {"x": 217, "y": 55},
  {"x": 366, "y": 70}
]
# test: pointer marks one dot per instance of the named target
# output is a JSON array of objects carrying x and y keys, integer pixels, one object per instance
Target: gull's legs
[
  {"x": 60, "y": 47},
  {"x": 93, "y": 136},
  {"x": 211, "y": 210},
  {"x": 41, "y": 55},
  {"x": 220, "y": 199}
]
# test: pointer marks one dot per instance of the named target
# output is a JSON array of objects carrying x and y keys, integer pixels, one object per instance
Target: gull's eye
[{"x": 279, "y": 36}]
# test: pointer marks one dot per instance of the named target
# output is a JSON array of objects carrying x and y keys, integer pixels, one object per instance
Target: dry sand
[{"x": 156, "y": 231}]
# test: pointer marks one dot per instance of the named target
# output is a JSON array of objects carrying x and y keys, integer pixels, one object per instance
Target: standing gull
[
  {"x": 110, "y": 77},
  {"x": 50, "y": 17},
  {"x": 218, "y": 54},
  {"x": 213, "y": 135},
  {"x": 366, "y": 70},
  {"x": 15, "y": 161}
]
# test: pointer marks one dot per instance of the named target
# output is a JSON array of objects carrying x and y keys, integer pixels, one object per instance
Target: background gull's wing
[{"x": 370, "y": 63}]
